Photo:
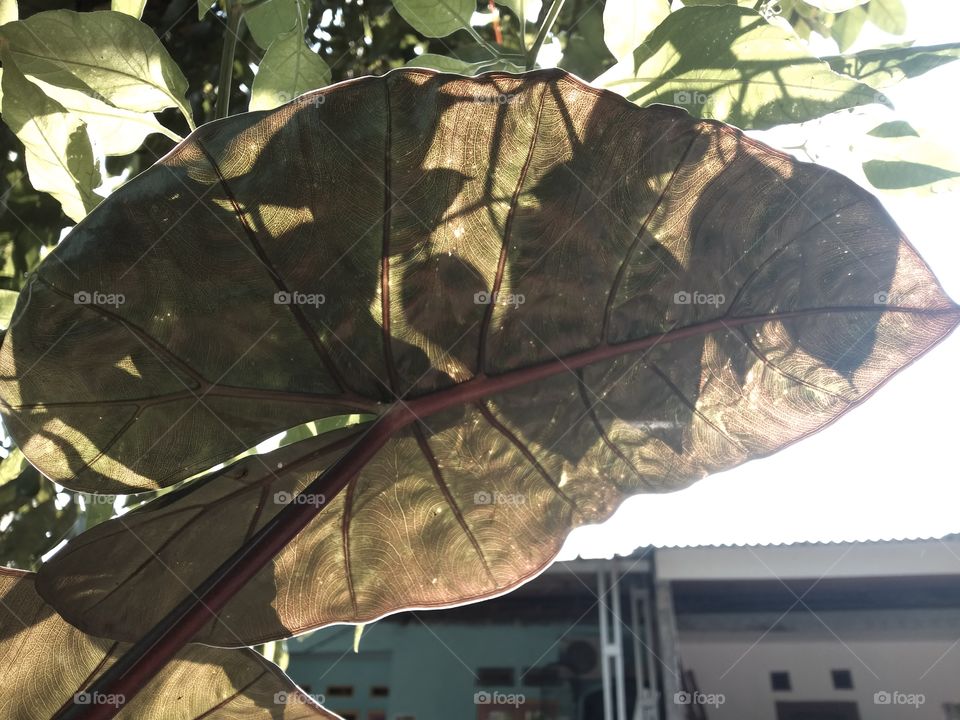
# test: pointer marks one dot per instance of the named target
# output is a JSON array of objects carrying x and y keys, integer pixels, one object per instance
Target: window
[
  {"x": 541, "y": 677},
  {"x": 379, "y": 691},
  {"x": 780, "y": 680},
  {"x": 348, "y": 715},
  {"x": 842, "y": 679},
  {"x": 376, "y": 715},
  {"x": 497, "y": 676},
  {"x": 340, "y": 691}
]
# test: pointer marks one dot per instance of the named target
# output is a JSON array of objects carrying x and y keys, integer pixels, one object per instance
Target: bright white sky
[{"x": 889, "y": 468}]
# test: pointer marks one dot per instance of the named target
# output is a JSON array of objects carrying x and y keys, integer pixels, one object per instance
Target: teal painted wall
[{"x": 430, "y": 669}]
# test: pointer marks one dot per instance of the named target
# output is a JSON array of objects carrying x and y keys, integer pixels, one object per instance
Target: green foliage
[
  {"x": 108, "y": 55},
  {"x": 728, "y": 63},
  {"x": 626, "y": 23},
  {"x": 902, "y": 174},
  {"x": 288, "y": 69},
  {"x": 436, "y": 18},
  {"x": 271, "y": 18},
  {"x": 8, "y": 11},
  {"x": 887, "y": 66},
  {"x": 894, "y": 128},
  {"x": 133, "y": 8},
  {"x": 59, "y": 154}
]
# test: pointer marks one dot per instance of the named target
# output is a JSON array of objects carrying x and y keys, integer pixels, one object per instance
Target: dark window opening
[
  {"x": 842, "y": 679},
  {"x": 340, "y": 691},
  {"x": 780, "y": 681},
  {"x": 379, "y": 691},
  {"x": 498, "y": 676}
]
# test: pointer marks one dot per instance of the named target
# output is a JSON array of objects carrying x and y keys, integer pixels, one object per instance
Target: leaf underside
[
  {"x": 671, "y": 299},
  {"x": 44, "y": 662}
]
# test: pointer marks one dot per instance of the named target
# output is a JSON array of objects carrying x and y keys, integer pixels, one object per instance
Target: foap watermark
[
  {"x": 99, "y": 698},
  {"x": 485, "y": 298},
  {"x": 294, "y": 297},
  {"x": 498, "y": 99},
  {"x": 690, "y": 97},
  {"x": 495, "y": 697},
  {"x": 885, "y": 297},
  {"x": 313, "y": 100},
  {"x": 699, "y": 698},
  {"x": 95, "y": 297},
  {"x": 294, "y": 698},
  {"x": 285, "y": 498},
  {"x": 698, "y": 298},
  {"x": 498, "y": 498},
  {"x": 886, "y": 697}
]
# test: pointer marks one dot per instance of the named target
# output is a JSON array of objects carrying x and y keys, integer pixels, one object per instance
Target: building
[{"x": 810, "y": 631}]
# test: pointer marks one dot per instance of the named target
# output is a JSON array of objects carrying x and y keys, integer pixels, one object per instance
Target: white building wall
[{"x": 739, "y": 666}]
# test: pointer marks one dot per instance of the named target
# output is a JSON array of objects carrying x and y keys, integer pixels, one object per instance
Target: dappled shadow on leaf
[
  {"x": 580, "y": 300},
  {"x": 45, "y": 661}
]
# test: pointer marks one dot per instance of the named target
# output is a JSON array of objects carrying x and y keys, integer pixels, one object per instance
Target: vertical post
[
  {"x": 669, "y": 660},
  {"x": 604, "y": 643},
  {"x": 616, "y": 650}
]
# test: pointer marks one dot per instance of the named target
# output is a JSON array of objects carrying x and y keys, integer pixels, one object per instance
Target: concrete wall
[
  {"x": 739, "y": 667},
  {"x": 430, "y": 671}
]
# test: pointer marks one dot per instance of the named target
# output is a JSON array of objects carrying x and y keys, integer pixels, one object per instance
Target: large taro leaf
[
  {"x": 44, "y": 663},
  {"x": 671, "y": 299}
]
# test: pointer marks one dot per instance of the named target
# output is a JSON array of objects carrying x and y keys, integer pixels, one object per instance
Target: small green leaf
[
  {"x": 888, "y": 66},
  {"x": 204, "y": 6},
  {"x": 835, "y": 6},
  {"x": 8, "y": 11},
  {"x": 443, "y": 63},
  {"x": 846, "y": 29},
  {"x": 133, "y": 8},
  {"x": 626, "y": 23},
  {"x": 895, "y": 128},
  {"x": 529, "y": 10},
  {"x": 888, "y": 15},
  {"x": 436, "y": 18},
  {"x": 8, "y": 300},
  {"x": 59, "y": 154},
  {"x": 107, "y": 55},
  {"x": 272, "y": 18},
  {"x": 728, "y": 63},
  {"x": 901, "y": 175},
  {"x": 288, "y": 69}
]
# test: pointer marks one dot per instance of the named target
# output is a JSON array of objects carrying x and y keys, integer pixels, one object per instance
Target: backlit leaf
[
  {"x": 894, "y": 128},
  {"x": 272, "y": 18},
  {"x": 114, "y": 131},
  {"x": 902, "y": 174},
  {"x": 576, "y": 299},
  {"x": 108, "y": 55},
  {"x": 730, "y": 64},
  {"x": 835, "y": 6},
  {"x": 626, "y": 23},
  {"x": 59, "y": 155},
  {"x": 44, "y": 662},
  {"x": 888, "y": 15},
  {"x": 888, "y": 66},
  {"x": 133, "y": 8},
  {"x": 288, "y": 69},
  {"x": 8, "y": 11},
  {"x": 436, "y": 18},
  {"x": 529, "y": 10},
  {"x": 846, "y": 28}
]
